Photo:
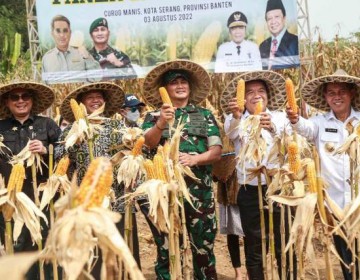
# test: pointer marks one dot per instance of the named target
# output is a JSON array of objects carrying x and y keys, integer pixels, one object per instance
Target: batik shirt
[{"x": 106, "y": 144}]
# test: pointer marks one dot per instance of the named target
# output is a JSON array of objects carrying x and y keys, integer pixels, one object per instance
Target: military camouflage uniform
[
  {"x": 101, "y": 57},
  {"x": 200, "y": 132}
]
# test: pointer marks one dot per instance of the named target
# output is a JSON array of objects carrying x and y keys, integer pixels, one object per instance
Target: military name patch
[{"x": 332, "y": 130}]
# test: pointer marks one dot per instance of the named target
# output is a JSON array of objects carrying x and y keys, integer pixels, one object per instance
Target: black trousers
[
  {"x": 234, "y": 249},
  {"x": 248, "y": 201},
  {"x": 346, "y": 256}
]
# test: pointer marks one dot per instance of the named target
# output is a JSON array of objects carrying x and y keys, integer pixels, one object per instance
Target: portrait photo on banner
[{"x": 87, "y": 41}]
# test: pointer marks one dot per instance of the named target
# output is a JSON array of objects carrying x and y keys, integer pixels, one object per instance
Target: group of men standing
[
  {"x": 280, "y": 50},
  {"x": 64, "y": 59}
]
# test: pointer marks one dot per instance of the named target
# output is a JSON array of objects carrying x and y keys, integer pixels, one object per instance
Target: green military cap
[{"x": 98, "y": 22}]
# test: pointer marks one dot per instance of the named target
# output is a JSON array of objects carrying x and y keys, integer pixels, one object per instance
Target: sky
[{"x": 334, "y": 17}]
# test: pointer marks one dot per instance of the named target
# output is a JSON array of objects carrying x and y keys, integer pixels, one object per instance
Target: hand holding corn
[
  {"x": 235, "y": 109},
  {"x": 167, "y": 111},
  {"x": 292, "y": 116}
]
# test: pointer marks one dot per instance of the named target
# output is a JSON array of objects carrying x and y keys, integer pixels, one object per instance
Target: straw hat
[
  {"x": 43, "y": 97},
  {"x": 313, "y": 95},
  {"x": 200, "y": 82},
  {"x": 113, "y": 94},
  {"x": 223, "y": 168},
  {"x": 274, "y": 81}
]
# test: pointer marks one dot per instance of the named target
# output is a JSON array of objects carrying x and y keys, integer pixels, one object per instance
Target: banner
[{"x": 93, "y": 40}]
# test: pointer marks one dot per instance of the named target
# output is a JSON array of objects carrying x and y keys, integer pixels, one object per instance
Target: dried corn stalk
[{"x": 77, "y": 231}]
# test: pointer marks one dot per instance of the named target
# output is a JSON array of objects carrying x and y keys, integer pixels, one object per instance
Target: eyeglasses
[
  {"x": 59, "y": 30},
  {"x": 17, "y": 97}
]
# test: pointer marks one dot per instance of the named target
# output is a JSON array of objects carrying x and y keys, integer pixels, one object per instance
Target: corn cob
[
  {"x": 165, "y": 96},
  {"x": 240, "y": 94},
  {"x": 258, "y": 107},
  {"x": 166, "y": 150},
  {"x": 206, "y": 45},
  {"x": 173, "y": 35},
  {"x": 311, "y": 176},
  {"x": 17, "y": 177},
  {"x": 294, "y": 157},
  {"x": 137, "y": 149},
  {"x": 159, "y": 167},
  {"x": 290, "y": 93},
  {"x": 150, "y": 169},
  {"x": 62, "y": 166},
  {"x": 76, "y": 109},
  {"x": 97, "y": 180}
]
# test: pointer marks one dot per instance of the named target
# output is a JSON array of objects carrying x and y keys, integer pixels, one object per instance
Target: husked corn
[
  {"x": 17, "y": 177},
  {"x": 311, "y": 176},
  {"x": 294, "y": 157},
  {"x": 290, "y": 93},
  {"x": 62, "y": 166},
  {"x": 240, "y": 94},
  {"x": 165, "y": 96},
  {"x": 100, "y": 173},
  {"x": 137, "y": 149}
]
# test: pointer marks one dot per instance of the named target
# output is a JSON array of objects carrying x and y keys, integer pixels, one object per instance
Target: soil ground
[{"x": 223, "y": 263}]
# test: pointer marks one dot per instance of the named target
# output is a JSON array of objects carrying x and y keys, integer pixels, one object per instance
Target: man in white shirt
[
  {"x": 238, "y": 54},
  {"x": 266, "y": 87},
  {"x": 339, "y": 96}
]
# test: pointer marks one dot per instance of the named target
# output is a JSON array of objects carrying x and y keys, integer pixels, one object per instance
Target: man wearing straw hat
[
  {"x": 339, "y": 96},
  {"x": 266, "y": 87},
  {"x": 106, "y": 142},
  {"x": 20, "y": 104},
  {"x": 187, "y": 84}
]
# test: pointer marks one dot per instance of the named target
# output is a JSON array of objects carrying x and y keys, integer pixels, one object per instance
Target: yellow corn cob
[
  {"x": 159, "y": 167},
  {"x": 294, "y": 157},
  {"x": 172, "y": 37},
  {"x": 160, "y": 150},
  {"x": 311, "y": 176},
  {"x": 258, "y": 107},
  {"x": 357, "y": 129},
  {"x": 206, "y": 45},
  {"x": 165, "y": 96},
  {"x": 290, "y": 92},
  {"x": 166, "y": 150},
  {"x": 17, "y": 177},
  {"x": 62, "y": 166},
  {"x": 150, "y": 169},
  {"x": 240, "y": 94},
  {"x": 137, "y": 149},
  {"x": 97, "y": 180},
  {"x": 76, "y": 109},
  {"x": 57, "y": 110}
]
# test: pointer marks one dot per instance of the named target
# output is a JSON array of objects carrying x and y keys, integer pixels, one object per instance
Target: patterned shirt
[
  {"x": 106, "y": 144},
  {"x": 101, "y": 57}
]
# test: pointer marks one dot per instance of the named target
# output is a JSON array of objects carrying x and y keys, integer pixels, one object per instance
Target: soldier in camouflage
[
  {"x": 200, "y": 146},
  {"x": 107, "y": 56}
]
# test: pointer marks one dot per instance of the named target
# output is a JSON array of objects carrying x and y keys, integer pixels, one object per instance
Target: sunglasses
[
  {"x": 59, "y": 30},
  {"x": 133, "y": 109},
  {"x": 17, "y": 97}
]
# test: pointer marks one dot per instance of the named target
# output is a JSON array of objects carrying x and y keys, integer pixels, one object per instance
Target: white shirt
[
  {"x": 232, "y": 130},
  {"x": 228, "y": 60},
  {"x": 327, "y": 130}
]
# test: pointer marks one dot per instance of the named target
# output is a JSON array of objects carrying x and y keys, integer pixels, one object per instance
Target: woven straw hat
[
  {"x": 313, "y": 95},
  {"x": 200, "y": 82},
  {"x": 274, "y": 81},
  {"x": 43, "y": 97},
  {"x": 223, "y": 168},
  {"x": 113, "y": 94}
]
